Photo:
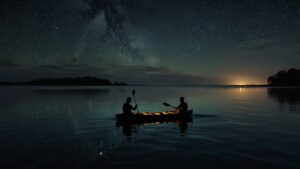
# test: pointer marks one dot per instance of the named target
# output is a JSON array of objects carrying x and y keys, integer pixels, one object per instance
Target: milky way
[
  {"x": 114, "y": 12},
  {"x": 149, "y": 41}
]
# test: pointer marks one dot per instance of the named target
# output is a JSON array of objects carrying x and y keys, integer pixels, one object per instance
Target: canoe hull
[{"x": 140, "y": 118}]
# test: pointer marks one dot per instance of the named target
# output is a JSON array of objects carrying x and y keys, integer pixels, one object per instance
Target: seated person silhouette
[
  {"x": 183, "y": 106},
  {"x": 127, "y": 107}
]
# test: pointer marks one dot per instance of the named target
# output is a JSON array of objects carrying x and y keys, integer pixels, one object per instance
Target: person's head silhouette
[
  {"x": 181, "y": 99},
  {"x": 128, "y": 100}
]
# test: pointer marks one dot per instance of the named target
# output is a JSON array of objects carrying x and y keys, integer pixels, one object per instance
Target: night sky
[{"x": 149, "y": 41}]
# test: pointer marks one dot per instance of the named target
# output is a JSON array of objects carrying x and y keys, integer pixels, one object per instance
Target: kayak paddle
[
  {"x": 168, "y": 105},
  {"x": 133, "y": 93}
]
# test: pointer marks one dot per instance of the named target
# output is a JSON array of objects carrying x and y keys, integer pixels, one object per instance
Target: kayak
[{"x": 150, "y": 117}]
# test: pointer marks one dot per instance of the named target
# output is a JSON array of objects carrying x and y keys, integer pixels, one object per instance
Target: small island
[
  {"x": 291, "y": 77},
  {"x": 67, "y": 81}
]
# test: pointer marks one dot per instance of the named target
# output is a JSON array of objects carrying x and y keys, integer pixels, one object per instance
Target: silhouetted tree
[{"x": 285, "y": 78}]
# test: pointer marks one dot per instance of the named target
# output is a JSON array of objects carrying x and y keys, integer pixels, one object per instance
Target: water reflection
[
  {"x": 183, "y": 126},
  {"x": 130, "y": 128},
  {"x": 290, "y": 96}
]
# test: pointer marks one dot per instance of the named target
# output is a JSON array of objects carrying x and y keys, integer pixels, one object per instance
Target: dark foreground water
[{"x": 75, "y": 128}]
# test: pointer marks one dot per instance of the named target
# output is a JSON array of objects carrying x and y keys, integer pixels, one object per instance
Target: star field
[{"x": 149, "y": 41}]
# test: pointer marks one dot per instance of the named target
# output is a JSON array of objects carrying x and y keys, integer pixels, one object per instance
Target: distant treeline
[
  {"x": 68, "y": 81},
  {"x": 291, "y": 77}
]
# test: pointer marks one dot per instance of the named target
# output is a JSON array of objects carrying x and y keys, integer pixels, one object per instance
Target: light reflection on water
[{"x": 50, "y": 127}]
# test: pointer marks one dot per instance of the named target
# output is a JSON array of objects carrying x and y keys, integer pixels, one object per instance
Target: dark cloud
[
  {"x": 159, "y": 75},
  {"x": 76, "y": 65},
  {"x": 140, "y": 69},
  {"x": 64, "y": 66},
  {"x": 8, "y": 63},
  {"x": 54, "y": 67}
]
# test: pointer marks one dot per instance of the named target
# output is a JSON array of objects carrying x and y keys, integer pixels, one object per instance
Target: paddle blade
[
  {"x": 133, "y": 92},
  {"x": 166, "y": 104}
]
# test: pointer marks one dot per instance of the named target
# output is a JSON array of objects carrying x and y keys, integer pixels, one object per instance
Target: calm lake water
[{"x": 75, "y": 127}]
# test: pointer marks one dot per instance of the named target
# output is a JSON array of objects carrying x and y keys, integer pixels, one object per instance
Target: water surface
[{"x": 74, "y": 127}]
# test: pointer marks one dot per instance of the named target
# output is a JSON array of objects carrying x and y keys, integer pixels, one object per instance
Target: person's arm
[
  {"x": 179, "y": 106},
  {"x": 134, "y": 108}
]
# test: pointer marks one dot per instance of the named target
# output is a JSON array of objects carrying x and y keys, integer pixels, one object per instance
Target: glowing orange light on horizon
[
  {"x": 239, "y": 83},
  {"x": 244, "y": 82}
]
